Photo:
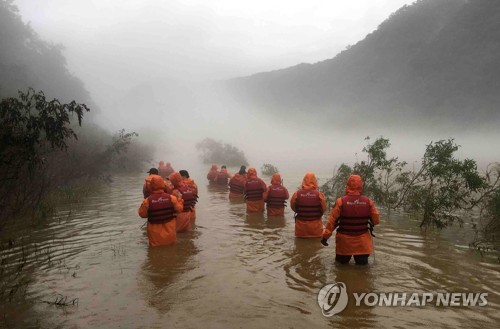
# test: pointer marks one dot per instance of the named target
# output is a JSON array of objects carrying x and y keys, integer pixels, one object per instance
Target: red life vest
[
  {"x": 222, "y": 178},
  {"x": 308, "y": 205},
  {"x": 189, "y": 196},
  {"x": 237, "y": 185},
  {"x": 276, "y": 197},
  {"x": 253, "y": 190},
  {"x": 355, "y": 215},
  {"x": 161, "y": 209}
]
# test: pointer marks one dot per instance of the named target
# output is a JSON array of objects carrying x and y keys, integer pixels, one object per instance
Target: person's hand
[{"x": 324, "y": 242}]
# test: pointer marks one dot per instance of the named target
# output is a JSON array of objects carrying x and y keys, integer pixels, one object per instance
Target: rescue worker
[
  {"x": 212, "y": 174},
  {"x": 190, "y": 182},
  {"x": 189, "y": 197},
  {"x": 309, "y": 205},
  {"x": 146, "y": 188},
  {"x": 162, "y": 170},
  {"x": 254, "y": 191},
  {"x": 160, "y": 209},
  {"x": 169, "y": 170},
  {"x": 237, "y": 184},
  {"x": 223, "y": 176},
  {"x": 276, "y": 196},
  {"x": 353, "y": 216}
]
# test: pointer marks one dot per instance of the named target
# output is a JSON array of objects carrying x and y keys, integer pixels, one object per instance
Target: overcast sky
[{"x": 122, "y": 42}]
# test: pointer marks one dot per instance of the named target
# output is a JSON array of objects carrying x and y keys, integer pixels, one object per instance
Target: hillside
[
  {"x": 435, "y": 59},
  {"x": 28, "y": 61}
]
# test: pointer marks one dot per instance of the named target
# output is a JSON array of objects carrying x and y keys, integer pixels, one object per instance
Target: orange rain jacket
[
  {"x": 163, "y": 233},
  {"x": 184, "y": 217},
  {"x": 146, "y": 188},
  {"x": 212, "y": 174},
  {"x": 275, "y": 181},
  {"x": 162, "y": 170},
  {"x": 238, "y": 180},
  {"x": 223, "y": 174},
  {"x": 168, "y": 169},
  {"x": 309, "y": 228},
  {"x": 255, "y": 205},
  {"x": 190, "y": 182},
  {"x": 351, "y": 244}
]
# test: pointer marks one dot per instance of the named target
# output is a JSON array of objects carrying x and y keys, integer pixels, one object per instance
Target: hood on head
[
  {"x": 276, "y": 179},
  {"x": 157, "y": 183},
  {"x": 310, "y": 181},
  {"x": 176, "y": 179},
  {"x": 252, "y": 173},
  {"x": 354, "y": 185}
]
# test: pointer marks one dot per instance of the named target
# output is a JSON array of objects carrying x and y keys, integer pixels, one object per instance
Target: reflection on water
[
  {"x": 163, "y": 268},
  {"x": 231, "y": 270}
]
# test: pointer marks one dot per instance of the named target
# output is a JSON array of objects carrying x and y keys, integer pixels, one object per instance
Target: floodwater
[{"x": 231, "y": 271}]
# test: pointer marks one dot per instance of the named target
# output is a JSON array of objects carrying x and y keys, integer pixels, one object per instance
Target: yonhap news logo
[{"x": 333, "y": 299}]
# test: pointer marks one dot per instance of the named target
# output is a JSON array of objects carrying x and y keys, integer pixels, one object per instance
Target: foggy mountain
[
  {"x": 28, "y": 61},
  {"x": 435, "y": 60}
]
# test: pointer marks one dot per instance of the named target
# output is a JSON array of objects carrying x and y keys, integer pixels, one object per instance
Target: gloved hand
[{"x": 324, "y": 242}]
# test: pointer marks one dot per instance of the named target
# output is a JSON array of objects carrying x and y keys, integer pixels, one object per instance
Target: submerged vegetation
[
  {"x": 213, "y": 151},
  {"x": 40, "y": 151},
  {"x": 268, "y": 169},
  {"x": 443, "y": 190}
]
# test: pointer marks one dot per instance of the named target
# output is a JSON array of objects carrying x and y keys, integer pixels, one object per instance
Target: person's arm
[
  {"x": 143, "y": 209},
  {"x": 323, "y": 202},
  {"x": 286, "y": 192},
  {"x": 332, "y": 219},
  {"x": 292, "y": 201},
  {"x": 178, "y": 204},
  {"x": 265, "y": 195},
  {"x": 263, "y": 184}
]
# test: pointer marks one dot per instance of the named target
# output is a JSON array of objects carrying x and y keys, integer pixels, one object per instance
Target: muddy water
[{"x": 231, "y": 271}]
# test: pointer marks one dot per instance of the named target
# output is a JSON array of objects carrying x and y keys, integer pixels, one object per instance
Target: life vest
[
  {"x": 222, "y": 178},
  {"x": 189, "y": 196},
  {"x": 308, "y": 205},
  {"x": 355, "y": 215},
  {"x": 276, "y": 197},
  {"x": 237, "y": 185},
  {"x": 161, "y": 208},
  {"x": 253, "y": 190}
]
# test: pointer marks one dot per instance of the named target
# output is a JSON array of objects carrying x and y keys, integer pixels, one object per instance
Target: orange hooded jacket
[
  {"x": 255, "y": 205},
  {"x": 309, "y": 228},
  {"x": 239, "y": 180},
  {"x": 164, "y": 233},
  {"x": 351, "y": 244},
  {"x": 162, "y": 170},
  {"x": 190, "y": 182},
  {"x": 168, "y": 169},
  {"x": 212, "y": 174},
  {"x": 184, "y": 217},
  {"x": 146, "y": 188},
  {"x": 275, "y": 181}
]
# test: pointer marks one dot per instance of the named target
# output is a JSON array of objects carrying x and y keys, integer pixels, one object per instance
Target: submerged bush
[
  {"x": 268, "y": 169},
  {"x": 441, "y": 191},
  {"x": 213, "y": 151}
]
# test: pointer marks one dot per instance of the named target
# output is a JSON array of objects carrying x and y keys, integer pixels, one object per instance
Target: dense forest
[
  {"x": 47, "y": 141},
  {"x": 435, "y": 59}
]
